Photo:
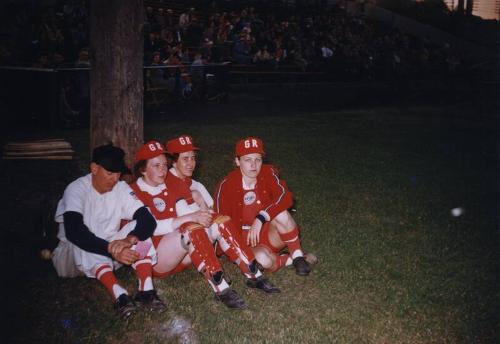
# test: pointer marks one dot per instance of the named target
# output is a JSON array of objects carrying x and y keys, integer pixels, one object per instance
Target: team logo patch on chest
[
  {"x": 249, "y": 198},
  {"x": 160, "y": 204}
]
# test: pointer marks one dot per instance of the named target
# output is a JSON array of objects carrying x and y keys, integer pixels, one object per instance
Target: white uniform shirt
[{"x": 102, "y": 213}]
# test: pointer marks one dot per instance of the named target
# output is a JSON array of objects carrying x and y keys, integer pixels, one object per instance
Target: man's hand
[
  {"x": 121, "y": 250},
  {"x": 254, "y": 233},
  {"x": 127, "y": 256},
  {"x": 132, "y": 239}
]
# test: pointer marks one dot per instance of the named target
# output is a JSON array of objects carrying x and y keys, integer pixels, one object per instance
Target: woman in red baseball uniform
[
  {"x": 257, "y": 200},
  {"x": 180, "y": 238}
]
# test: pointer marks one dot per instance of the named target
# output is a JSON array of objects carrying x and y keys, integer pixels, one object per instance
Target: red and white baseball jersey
[
  {"x": 186, "y": 186},
  {"x": 269, "y": 197}
]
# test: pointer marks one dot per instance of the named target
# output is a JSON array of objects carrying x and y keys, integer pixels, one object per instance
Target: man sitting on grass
[{"x": 91, "y": 242}]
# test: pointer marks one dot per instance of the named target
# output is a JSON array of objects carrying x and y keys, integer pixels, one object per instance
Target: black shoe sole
[
  {"x": 275, "y": 291},
  {"x": 244, "y": 306},
  {"x": 126, "y": 314},
  {"x": 267, "y": 292}
]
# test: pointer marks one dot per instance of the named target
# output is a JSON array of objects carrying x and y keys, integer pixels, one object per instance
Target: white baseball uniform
[{"x": 102, "y": 214}]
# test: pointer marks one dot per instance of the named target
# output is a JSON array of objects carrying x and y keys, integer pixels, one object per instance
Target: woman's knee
[
  {"x": 264, "y": 257},
  {"x": 170, "y": 252},
  {"x": 284, "y": 222}
]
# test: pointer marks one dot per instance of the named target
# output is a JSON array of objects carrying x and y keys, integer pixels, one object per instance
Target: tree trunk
[
  {"x": 469, "y": 7},
  {"x": 116, "y": 77}
]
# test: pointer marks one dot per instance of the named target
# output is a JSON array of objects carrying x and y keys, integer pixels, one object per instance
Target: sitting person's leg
[
  {"x": 146, "y": 294},
  {"x": 284, "y": 231},
  {"x": 232, "y": 244},
  {"x": 103, "y": 272},
  {"x": 172, "y": 256},
  {"x": 204, "y": 259},
  {"x": 268, "y": 250}
]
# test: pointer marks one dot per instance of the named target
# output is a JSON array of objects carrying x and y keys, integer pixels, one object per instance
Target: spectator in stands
[
  {"x": 198, "y": 75},
  {"x": 263, "y": 59},
  {"x": 242, "y": 51},
  {"x": 206, "y": 48},
  {"x": 83, "y": 58},
  {"x": 152, "y": 43},
  {"x": 326, "y": 51},
  {"x": 43, "y": 61},
  {"x": 159, "y": 19},
  {"x": 159, "y": 77},
  {"x": 296, "y": 58},
  {"x": 168, "y": 36},
  {"x": 184, "y": 19},
  {"x": 150, "y": 16},
  {"x": 173, "y": 60},
  {"x": 194, "y": 33},
  {"x": 168, "y": 18},
  {"x": 279, "y": 53},
  {"x": 57, "y": 59}
]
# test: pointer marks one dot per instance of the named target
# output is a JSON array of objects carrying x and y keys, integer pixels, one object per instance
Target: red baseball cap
[
  {"x": 181, "y": 144},
  {"x": 249, "y": 145},
  {"x": 149, "y": 150}
]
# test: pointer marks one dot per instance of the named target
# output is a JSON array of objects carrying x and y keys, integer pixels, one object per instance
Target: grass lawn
[{"x": 374, "y": 190}]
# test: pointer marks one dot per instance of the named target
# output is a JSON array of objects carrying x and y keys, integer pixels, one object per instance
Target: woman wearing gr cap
[
  {"x": 258, "y": 201},
  {"x": 180, "y": 239}
]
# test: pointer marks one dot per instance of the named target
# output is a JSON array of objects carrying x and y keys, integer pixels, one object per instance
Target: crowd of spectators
[
  {"x": 43, "y": 36},
  {"x": 342, "y": 45}
]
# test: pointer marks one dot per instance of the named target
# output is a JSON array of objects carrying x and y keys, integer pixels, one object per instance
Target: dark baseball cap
[{"x": 111, "y": 158}]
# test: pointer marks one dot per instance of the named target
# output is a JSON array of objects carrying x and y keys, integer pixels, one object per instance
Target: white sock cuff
[
  {"x": 148, "y": 284},
  {"x": 118, "y": 290},
  {"x": 297, "y": 253}
]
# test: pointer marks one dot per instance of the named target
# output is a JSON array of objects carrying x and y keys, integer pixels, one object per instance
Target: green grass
[{"x": 373, "y": 190}]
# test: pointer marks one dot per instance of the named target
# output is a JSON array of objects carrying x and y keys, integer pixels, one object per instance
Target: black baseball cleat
[
  {"x": 150, "y": 300},
  {"x": 125, "y": 306},
  {"x": 262, "y": 283},
  {"x": 301, "y": 266},
  {"x": 231, "y": 299}
]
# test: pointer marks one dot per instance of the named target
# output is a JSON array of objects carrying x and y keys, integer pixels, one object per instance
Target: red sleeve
[
  {"x": 226, "y": 198},
  {"x": 179, "y": 188},
  {"x": 281, "y": 197},
  {"x": 220, "y": 198}
]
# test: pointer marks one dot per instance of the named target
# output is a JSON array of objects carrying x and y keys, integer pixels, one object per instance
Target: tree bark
[
  {"x": 469, "y": 7},
  {"x": 116, "y": 77}
]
